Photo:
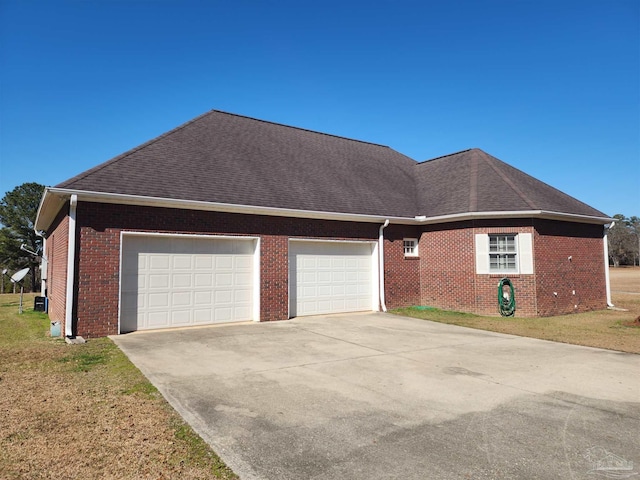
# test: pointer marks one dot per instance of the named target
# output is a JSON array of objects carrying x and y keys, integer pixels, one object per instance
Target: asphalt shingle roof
[
  {"x": 474, "y": 181},
  {"x": 226, "y": 158}
]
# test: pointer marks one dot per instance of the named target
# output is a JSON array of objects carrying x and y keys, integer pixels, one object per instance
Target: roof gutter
[{"x": 54, "y": 198}]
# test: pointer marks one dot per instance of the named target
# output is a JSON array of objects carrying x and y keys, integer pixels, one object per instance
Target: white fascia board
[
  {"x": 54, "y": 198},
  {"x": 123, "y": 199},
  {"x": 50, "y": 205},
  {"x": 543, "y": 214}
]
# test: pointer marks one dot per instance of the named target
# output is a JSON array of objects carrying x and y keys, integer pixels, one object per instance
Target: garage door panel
[
  {"x": 202, "y": 316},
  {"x": 242, "y": 297},
  {"x": 224, "y": 297},
  {"x": 224, "y": 263},
  {"x": 181, "y": 280},
  {"x": 202, "y": 262},
  {"x": 324, "y": 275},
  {"x": 159, "y": 262},
  {"x": 171, "y": 281},
  {"x": 181, "y": 299},
  {"x": 203, "y": 279},
  {"x": 202, "y": 298},
  {"x": 243, "y": 263},
  {"x": 242, "y": 279},
  {"x": 158, "y": 280},
  {"x": 158, "y": 319},
  {"x": 157, "y": 300},
  {"x": 224, "y": 279},
  {"x": 180, "y": 318}
]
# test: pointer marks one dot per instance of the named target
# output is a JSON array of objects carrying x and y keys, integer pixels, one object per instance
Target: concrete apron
[{"x": 377, "y": 396}]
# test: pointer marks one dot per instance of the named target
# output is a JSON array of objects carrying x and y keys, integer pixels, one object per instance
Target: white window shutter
[
  {"x": 482, "y": 253},
  {"x": 525, "y": 253}
]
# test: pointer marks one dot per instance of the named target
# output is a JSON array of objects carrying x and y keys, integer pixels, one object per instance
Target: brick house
[{"x": 228, "y": 218}]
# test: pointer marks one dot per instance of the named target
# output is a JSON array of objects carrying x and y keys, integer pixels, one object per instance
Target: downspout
[
  {"x": 383, "y": 305},
  {"x": 44, "y": 264},
  {"x": 606, "y": 265},
  {"x": 71, "y": 264}
]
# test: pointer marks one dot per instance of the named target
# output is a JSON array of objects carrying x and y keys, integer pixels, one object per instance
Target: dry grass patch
[
  {"x": 610, "y": 329},
  {"x": 84, "y": 411}
]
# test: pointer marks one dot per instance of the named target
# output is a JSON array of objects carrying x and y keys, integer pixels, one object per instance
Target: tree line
[
  {"x": 624, "y": 241},
  {"x": 18, "y": 240}
]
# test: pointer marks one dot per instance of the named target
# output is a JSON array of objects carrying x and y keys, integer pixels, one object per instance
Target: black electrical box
[{"x": 40, "y": 304}]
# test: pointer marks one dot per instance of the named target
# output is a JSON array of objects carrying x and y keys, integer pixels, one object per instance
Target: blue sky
[{"x": 550, "y": 87}]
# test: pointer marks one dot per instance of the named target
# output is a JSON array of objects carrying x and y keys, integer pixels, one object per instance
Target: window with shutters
[{"x": 503, "y": 254}]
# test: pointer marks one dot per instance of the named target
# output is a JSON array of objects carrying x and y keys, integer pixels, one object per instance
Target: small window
[
  {"x": 410, "y": 247},
  {"x": 503, "y": 253}
]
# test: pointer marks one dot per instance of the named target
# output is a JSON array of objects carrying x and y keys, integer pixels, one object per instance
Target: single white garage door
[
  {"x": 331, "y": 277},
  {"x": 175, "y": 281}
]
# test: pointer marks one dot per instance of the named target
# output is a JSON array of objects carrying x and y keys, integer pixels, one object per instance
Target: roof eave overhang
[
  {"x": 54, "y": 199},
  {"x": 541, "y": 214}
]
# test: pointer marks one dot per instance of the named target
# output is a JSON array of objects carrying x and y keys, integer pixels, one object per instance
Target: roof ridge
[
  {"x": 508, "y": 180},
  {"x": 445, "y": 156},
  {"x": 299, "y": 128}
]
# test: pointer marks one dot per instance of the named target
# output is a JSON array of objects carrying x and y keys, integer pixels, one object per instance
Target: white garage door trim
[
  {"x": 355, "y": 250},
  {"x": 253, "y": 251}
]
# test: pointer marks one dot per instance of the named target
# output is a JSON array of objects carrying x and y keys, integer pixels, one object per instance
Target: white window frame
[
  {"x": 523, "y": 251},
  {"x": 410, "y": 247},
  {"x": 504, "y": 253}
]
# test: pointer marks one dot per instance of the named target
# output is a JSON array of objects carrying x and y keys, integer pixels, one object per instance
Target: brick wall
[
  {"x": 443, "y": 275},
  {"x": 401, "y": 274},
  {"x": 448, "y": 269},
  {"x": 57, "y": 253},
  {"x": 447, "y": 275},
  {"x": 569, "y": 285},
  {"x": 486, "y": 286},
  {"x": 99, "y": 243}
]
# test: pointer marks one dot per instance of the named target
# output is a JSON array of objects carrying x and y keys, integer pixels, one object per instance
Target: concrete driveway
[{"x": 376, "y": 396}]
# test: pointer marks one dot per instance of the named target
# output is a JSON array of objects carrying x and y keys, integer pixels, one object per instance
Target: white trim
[
  {"x": 383, "y": 303},
  {"x": 525, "y": 253},
  {"x": 415, "y": 252},
  {"x": 257, "y": 288},
  {"x": 482, "y": 253},
  {"x": 543, "y": 214},
  {"x": 374, "y": 266},
  {"x": 607, "y": 282},
  {"x": 71, "y": 267},
  {"x": 256, "y": 261},
  {"x": 54, "y": 198},
  {"x": 516, "y": 246}
]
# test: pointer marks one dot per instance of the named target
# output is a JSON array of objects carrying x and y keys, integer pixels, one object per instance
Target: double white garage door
[{"x": 173, "y": 281}]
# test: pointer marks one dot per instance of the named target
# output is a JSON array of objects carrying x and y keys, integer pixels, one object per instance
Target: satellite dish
[{"x": 19, "y": 275}]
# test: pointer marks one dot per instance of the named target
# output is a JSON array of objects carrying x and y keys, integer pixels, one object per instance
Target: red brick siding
[
  {"x": 443, "y": 275},
  {"x": 447, "y": 267},
  {"x": 401, "y": 274},
  {"x": 100, "y": 226},
  {"x": 57, "y": 254},
  {"x": 486, "y": 286},
  {"x": 554, "y": 243}
]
